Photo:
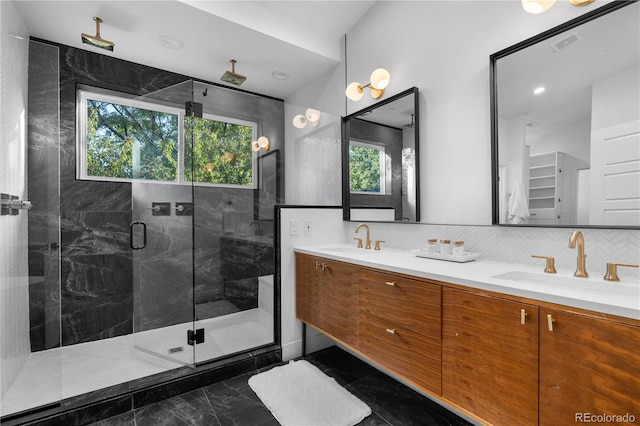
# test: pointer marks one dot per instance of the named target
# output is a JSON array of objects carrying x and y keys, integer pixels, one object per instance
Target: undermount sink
[
  {"x": 535, "y": 278},
  {"x": 351, "y": 250}
]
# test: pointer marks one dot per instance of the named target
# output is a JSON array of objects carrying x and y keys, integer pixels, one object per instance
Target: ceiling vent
[{"x": 565, "y": 42}]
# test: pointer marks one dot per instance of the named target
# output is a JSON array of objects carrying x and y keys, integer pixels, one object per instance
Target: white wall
[
  {"x": 615, "y": 99},
  {"x": 14, "y": 297},
  {"x": 573, "y": 140},
  {"x": 326, "y": 229},
  {"x": 313, "y": 168},
  {"x": 443, "y": 48}
]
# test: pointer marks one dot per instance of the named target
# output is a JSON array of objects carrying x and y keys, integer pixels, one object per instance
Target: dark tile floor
[{"x": 232, "y": 402}]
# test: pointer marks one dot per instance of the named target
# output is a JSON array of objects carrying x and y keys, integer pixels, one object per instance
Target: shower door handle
[{"x": 144, "y": 235}]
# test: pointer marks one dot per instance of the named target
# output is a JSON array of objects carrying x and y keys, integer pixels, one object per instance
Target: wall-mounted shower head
[
  {"x": 96, "y": 40},
  {"x": 233, "y": 77}
]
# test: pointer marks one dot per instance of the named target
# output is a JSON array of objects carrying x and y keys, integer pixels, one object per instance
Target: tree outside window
[{"x": 124, "y": 139}]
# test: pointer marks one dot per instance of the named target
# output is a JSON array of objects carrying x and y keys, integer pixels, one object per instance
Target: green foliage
[
  {"x": 128, "y": 142},
  {"x": 218, "y": 152},
  {"x": 134, "y": 143},
  {"x": 364, "y": 169}
]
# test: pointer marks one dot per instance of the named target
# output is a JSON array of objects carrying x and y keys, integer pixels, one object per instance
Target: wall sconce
[
  {"x": 379, "y": 80},
  {"x": 261, "y": 144},
  {"x": 310, "y": 116},
  {"x": 539, "y": 6}
]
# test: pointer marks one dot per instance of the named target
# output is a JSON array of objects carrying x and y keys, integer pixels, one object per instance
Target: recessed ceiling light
[
  {"x": 280, "y": 75},
  {"x": 538, "y": 90},
  {"x": 170, "y": 42}
]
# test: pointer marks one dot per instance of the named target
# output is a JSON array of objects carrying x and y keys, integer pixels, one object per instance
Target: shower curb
[{"x": 77, "y": 411}]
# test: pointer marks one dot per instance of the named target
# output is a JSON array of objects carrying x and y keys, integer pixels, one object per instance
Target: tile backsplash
[{"x": 515, "y": 244}]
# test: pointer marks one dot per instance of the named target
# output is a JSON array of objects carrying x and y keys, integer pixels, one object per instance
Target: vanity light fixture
[
  {"x": 310, "y": 116},
  {"x": 539, "y": 6},
  {"x": 261, "y": 144},
  {"x": 538, "y": 90},
  {"x": 378, "y": 81}
]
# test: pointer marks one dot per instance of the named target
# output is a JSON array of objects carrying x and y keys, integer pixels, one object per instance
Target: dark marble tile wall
[
  {"x": 243, "y": 260},
  {"x": 100, "y": 278},
  {"x": 43, "y": 186}
]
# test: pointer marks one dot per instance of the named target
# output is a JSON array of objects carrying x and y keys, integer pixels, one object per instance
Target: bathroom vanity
[{"x": 493, "y": 343}]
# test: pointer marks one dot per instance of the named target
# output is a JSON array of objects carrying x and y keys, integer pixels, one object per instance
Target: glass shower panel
[
  {"x": 233, "y": 224},
  {"x": 30, "y": 339},
  {"x": 162, "y": 237}
]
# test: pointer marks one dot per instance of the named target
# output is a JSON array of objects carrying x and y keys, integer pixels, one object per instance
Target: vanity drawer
[
  {"x": 403, "y": 302},
  {"x": 412, "y": 355}
]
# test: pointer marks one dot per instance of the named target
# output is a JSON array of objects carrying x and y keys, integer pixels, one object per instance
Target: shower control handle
[
  {"x": 17, "y": 204},
  {"x": 144, "y": 234}
]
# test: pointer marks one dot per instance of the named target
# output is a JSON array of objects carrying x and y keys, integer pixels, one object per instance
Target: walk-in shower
[{"x": 150, "y": 242}]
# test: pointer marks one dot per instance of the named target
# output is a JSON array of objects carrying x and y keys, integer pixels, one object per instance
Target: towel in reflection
[{"x": 518, "y": 209}]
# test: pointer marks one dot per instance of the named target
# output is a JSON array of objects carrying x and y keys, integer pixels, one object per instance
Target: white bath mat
[{"x": 300, "y": 394}]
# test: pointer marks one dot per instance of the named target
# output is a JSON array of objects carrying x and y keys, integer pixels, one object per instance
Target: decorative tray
[{"x": 466, "y": 257}]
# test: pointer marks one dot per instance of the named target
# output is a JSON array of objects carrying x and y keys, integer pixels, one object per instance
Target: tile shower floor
[
  {"x": 60, "y": 373},
  {"x": 232, "y": 402}
]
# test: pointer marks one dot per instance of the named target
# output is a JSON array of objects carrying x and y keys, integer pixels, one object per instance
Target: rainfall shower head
[
  {"x": 96, "y": 40},
  {"x": 232, "y": 77}
]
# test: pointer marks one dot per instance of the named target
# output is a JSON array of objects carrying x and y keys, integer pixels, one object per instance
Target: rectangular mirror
[
  {"x": 566, "y": 124},
  {"x": 380, "y": 171}
]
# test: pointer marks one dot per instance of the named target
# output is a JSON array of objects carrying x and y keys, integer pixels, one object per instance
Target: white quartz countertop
[{"x": 593, "y": 293}]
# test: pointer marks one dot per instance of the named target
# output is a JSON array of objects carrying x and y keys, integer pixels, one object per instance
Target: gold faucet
[
  {"x": 551, "y": 263},
  {"x": 581, "y": 269},
  {"x": 612, "y": 270},
  {"x": 368, "y": 237}
]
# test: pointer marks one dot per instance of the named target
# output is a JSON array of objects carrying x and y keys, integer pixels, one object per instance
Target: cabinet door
[
  {"x": 309, "y": 290},
  {"x": 490, "y": 358},
  {"x": 588, "y": 366},
  {"x": 341, "y": 292}
]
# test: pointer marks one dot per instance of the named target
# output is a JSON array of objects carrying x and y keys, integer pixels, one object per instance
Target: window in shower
[
  {"x": 218, "y": 151},
  {"x": 367, "y": 168},
  {"x": 124, "y": 139}
]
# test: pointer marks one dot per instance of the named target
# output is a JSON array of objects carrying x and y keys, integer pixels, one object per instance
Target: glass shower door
[{"x": 162, "y": 233}]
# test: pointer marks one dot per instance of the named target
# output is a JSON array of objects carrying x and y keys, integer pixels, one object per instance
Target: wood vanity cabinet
[
  {"x": 588, "y": 366},
  {"x": 490, "y": 357},
  {"x": 400, "y": 326},
  {"x": 327, "y": 294},
  {"x": 504, "y": 360}
]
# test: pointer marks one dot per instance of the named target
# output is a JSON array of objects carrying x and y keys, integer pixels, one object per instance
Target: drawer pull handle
[
  {"x": 391, "y": 283},
  {"x": 321, "y": 265},
  {"x": 550, "y": 322},
  {"x": 391, "y": 330},
  {"x": 523, "y": 316}
]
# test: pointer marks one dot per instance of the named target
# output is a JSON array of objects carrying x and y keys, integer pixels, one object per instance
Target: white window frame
[
  {"x": 84, "y": 95},
  {"x": 383, "y": 166}
]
